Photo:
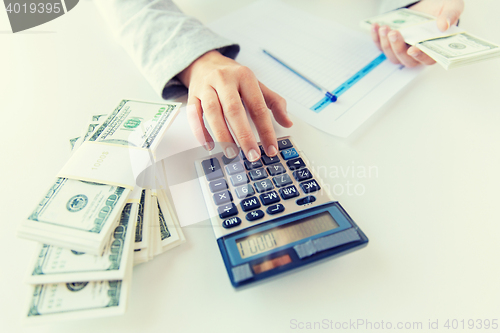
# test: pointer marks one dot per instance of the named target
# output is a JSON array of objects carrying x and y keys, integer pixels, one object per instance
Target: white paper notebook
[{"x": 329, "y": 54}]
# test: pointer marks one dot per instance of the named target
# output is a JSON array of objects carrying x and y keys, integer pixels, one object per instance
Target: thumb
[{"x": 452, "y": 9}]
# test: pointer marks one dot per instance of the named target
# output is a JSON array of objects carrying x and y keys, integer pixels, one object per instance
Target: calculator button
[
  {"x": 227, "y": 161},
  {"x": 253, "y": 165},
  {"x": 250, "y": 204},
  {"x": 244, "y": 191},
  {"x": 306, "y": 200},
  {"x": 289, "y": 153},
  {"x": 227, "y": 211},
  {"x": 263, "y": 185},
  {"x": 276, "y": 169},
  {"x": 242, "y": 155},
  {"x": 235, "y": 168},
  {"x": 258, "y": 174},
  {"x": 296, "y": 164},
  {"x": 289, "y": 192},
  {"x": 284, "y": 144},
  {"x": 232, "y": 222},
  {"x": 239, "y": 179},
  {"x": 270, "y": 160},
  {"x": 255, "y": 215},
  {"x": 218, "y": 185},
  {"x": 222, "y": 198},
  {"x": 310, "y": 186},
  {"x": 282, "y": 180},
  {"x": 275, "y": 209},
  {"x": 301, "y": 175},
  {"x": 269, "y": 198},
  {"x": 212, "y": 169}
]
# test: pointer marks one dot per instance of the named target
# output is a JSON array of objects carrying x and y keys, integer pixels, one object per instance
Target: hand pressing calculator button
[{"x": 266, "y": 219}]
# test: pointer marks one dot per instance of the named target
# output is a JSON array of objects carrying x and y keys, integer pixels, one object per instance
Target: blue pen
[{"x": 328, "y": 94}]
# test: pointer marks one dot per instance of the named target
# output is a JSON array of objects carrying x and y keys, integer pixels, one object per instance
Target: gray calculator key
[
  {"x": 218, "y": 185},
  {"x": 227, "y": 161},
  {"x": 235, "y": 168},
  {"x": 276, "y": 169},
  {"x": 289, "y": 192},
  {"x": 250, "y": 204},
  {"x": 258, "y": 174},
  {"x": 269, "y": 198},
  {"x": 284, "y": 144},
  {"x": 253, "y": 165},
  {"x": 212, "y": 169},
  {"x": 227, "y": 210},
  {"x": 303, "y": 174},
  {"x": 295, "y": 164},
  {"x": 222, "y": 197},
  {"x": 244, "y": 191},
  {"x": 270, "y": 160},
  {"x": 282, "y": 180},
  {"x": 310, "y": 186},
  {"x": 263, "y": 185},
  {"x": 275, "y": 209},
  {"x": 239, "y": 179}
]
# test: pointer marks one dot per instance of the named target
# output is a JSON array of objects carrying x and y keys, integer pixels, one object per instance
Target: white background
[{"x": 431, "y": 213}]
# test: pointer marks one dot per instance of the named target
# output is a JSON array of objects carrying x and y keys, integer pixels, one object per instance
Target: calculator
[{"x": 273, "y": 215}]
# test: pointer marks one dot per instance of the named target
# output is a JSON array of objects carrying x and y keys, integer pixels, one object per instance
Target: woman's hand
[{"x": 218, "y": 89}]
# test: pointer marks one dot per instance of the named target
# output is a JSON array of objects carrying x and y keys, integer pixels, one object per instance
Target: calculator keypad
[{"x": 266, "y": 187}]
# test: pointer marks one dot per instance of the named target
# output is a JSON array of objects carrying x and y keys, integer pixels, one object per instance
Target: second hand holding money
[{"x": 392, "y": 43}]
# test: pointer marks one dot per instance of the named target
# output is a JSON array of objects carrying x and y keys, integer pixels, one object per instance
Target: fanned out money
[
  {"x": 71, "y": 283},
  {"x": 452, "y": 48}
]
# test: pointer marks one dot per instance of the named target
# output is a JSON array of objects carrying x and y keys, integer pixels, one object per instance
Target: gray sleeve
[
  {"x": 161, "y": 40},
  {"x": 388, "y": 5}
]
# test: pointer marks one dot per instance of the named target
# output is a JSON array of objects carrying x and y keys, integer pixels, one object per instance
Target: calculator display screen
[{"x": 285, "y": 234}]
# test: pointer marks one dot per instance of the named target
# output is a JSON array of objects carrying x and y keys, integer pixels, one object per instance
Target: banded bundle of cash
[
  {"x": 134, "y": 225},
  {"x": 450, "y": 49}
]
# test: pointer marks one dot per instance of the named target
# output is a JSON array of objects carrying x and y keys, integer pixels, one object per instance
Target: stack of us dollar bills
[
  {"x": 450, "y": 49},
  {"x": 92, "y": 234}
]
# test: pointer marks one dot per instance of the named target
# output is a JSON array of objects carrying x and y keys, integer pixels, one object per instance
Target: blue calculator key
[
  {"x": 306, "y": 200},
  {"x": 227, "y": 210},
  {"x": 222, "y": 197},
  {"x": 269, "y": 198},
  {"x": 263, "y": 186},
  {"x": 253, "y": 165},
  {"x": 244, "y": 191},
  {"x": 258, "y": 174},
  {"x": 282, "y": 180},
  {"x": 270, "y": 160},
  {"x": 289, "y": 192},
  {"x": 235, "y": 168},
  {"x": 284, "y": 144},
  {"x": 218, "y": 185},
  {"x": 303, "y": 174},
  {"x": 289, "y": 154},
  {"x": 310, "y": 186},
  {"x": 239, "y": 179},
  {"x": 255, "y": 215},
  {"x": 276, "y": 169},
  {"x": 212, "y": 169},
  {"x": 296, "y": 164},
  {"x": 250, "y": 204},
  {"x": 275, "y": 209},
  {"x": 232, "y": 222},
  {"x": 227, "y": 161}
]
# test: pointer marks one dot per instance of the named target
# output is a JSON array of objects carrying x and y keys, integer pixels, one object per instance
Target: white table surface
[{"x": 431, "y": 210}]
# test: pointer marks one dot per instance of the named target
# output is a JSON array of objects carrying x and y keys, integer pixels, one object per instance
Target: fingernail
[
  {"x": 383, "y": 31},
  {"x": 414, "y": 53},
  {"x": 209, "y": 145},
  {"x": 230, "y": 152},
  {"x": 393, "y": 36},
  {"x": 449, "y": 23},
  {"x": 271, "y": 151},
  {"x": 253, "y": 155}
]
